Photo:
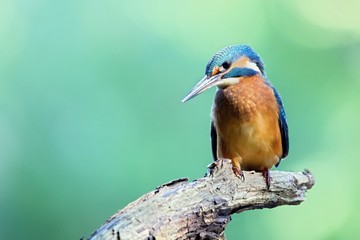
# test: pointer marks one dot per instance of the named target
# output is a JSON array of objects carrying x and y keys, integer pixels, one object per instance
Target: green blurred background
[{"x": 91, "y": 119}]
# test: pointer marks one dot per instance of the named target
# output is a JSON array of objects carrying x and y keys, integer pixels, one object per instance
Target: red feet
[
  {"x": 266, "y": 175},
  {"x": 238, "y": 173}
]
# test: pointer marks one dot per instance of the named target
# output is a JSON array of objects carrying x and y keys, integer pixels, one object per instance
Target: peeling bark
[{"x": 201, "y": 209}]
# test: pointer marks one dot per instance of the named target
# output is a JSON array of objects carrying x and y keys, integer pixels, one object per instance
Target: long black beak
[{"x": 205, "y": 83}]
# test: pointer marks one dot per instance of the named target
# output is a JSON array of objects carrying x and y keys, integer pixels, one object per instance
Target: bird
[{"x": 248, "y": 119}]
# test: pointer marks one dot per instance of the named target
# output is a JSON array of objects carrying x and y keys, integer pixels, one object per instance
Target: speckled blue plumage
[{"x": 232, "y": 53}]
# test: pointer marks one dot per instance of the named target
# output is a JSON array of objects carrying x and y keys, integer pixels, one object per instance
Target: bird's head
[{"x": 227, "y": 67}]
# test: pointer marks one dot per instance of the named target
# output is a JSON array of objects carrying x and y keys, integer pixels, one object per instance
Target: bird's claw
[
  {"x": 266, "y": 175},
  {"x": 238, "y": 173}
]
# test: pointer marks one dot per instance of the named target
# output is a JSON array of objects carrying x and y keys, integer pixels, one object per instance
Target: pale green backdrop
[{"x": 90, "y": 112}]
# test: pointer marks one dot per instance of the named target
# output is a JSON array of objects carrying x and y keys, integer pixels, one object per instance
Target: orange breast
[{"x": 246, "y": 117}]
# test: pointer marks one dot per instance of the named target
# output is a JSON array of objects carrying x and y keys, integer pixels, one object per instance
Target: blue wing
[
  {"x": 213, "y": 137},
  {"x": 283, "y": 126}
]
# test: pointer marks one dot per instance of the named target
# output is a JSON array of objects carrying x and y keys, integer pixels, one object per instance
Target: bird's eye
[{"x": 224, "y": 66}]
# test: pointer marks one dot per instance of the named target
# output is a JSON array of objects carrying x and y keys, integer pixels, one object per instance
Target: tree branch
[{"x": 202, "y": 208}]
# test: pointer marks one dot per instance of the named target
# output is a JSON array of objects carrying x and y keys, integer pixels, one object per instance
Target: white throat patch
[{"x": 227, "y": 82}]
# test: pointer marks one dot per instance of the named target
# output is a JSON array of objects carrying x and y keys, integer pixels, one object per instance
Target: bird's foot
[
  {"x": 239, "y": 173},
  {"x": 266, "y": 175}
]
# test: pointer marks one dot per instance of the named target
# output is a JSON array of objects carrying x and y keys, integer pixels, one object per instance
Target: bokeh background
[{"x": 91, "y": 119}]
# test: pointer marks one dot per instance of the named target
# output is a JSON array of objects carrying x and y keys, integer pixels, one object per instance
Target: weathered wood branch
[{"x": 201, "y": 209}]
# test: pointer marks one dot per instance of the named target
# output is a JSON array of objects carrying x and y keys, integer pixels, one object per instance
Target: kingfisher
[{"x": 248, "y": 120}]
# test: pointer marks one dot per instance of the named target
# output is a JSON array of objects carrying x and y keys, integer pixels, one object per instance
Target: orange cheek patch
[
  {"x": 241, "y": 62},
  {"x": 215, "y": 71}
]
